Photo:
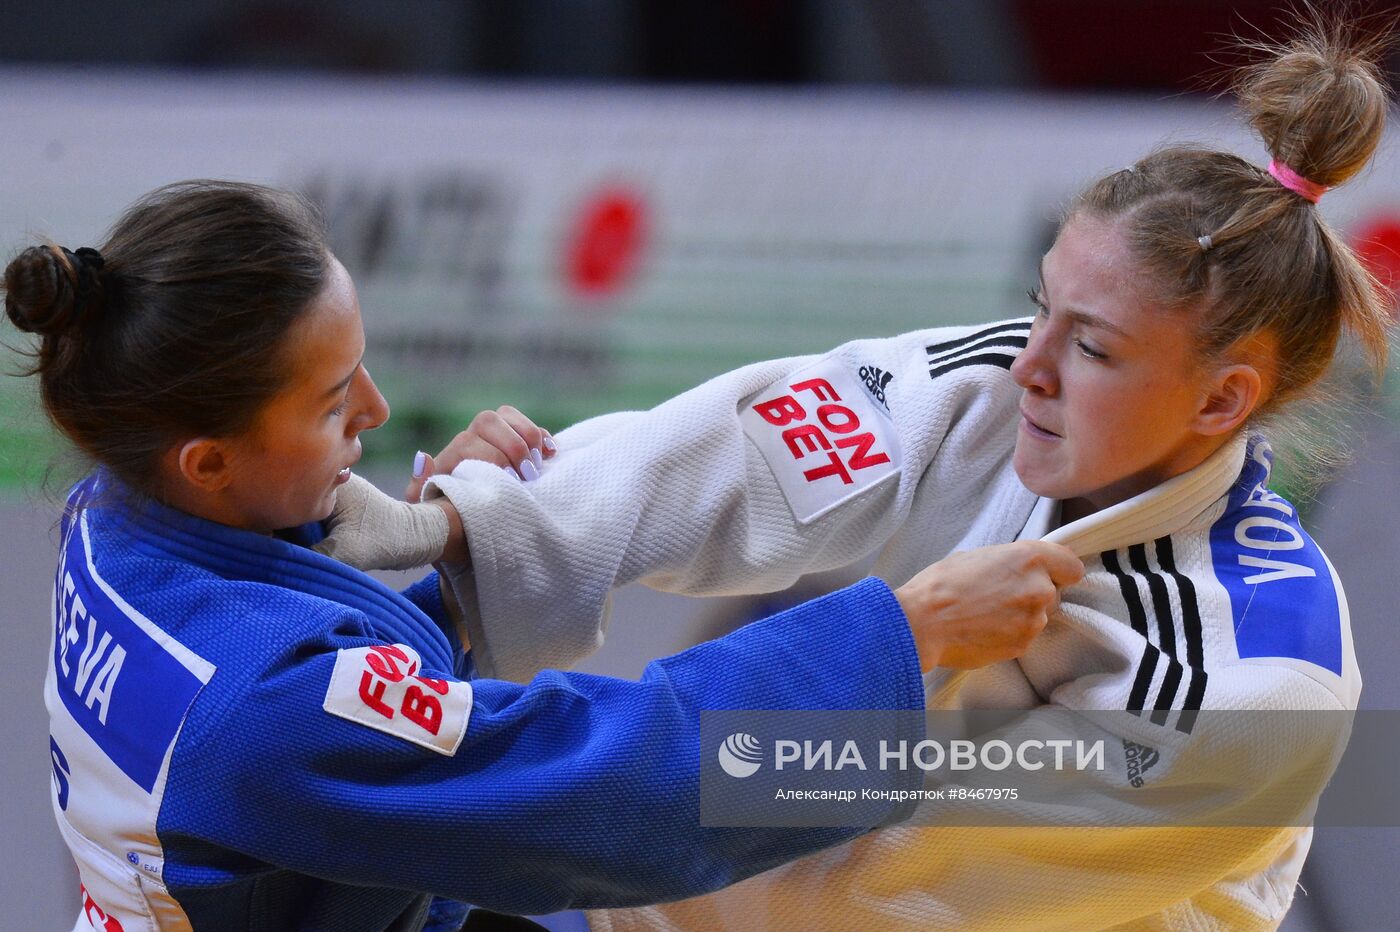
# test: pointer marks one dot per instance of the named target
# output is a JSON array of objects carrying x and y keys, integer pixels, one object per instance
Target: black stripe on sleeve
[
  {"x": 1166, "y": 629},
  {"x": 1129, "y": 589},
  {"x": 1161, "y": 604},
  {"x": 1191, "y": 628},
  {"x": 1138, "y": 618},
  {"x": 1137, "y": 699},
  {"x": 1017, "y": 340},
  {"x": 1167, "y": 693},
  {"x": 1023, "y": 326},
  {"x": 982, "y": 359},
  {"x": 1186, "y": 721}
]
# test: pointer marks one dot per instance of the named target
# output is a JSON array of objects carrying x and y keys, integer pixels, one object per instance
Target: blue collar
[{"x": 289, "y": 563}]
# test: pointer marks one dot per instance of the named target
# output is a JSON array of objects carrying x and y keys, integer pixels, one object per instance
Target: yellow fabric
[{"x": 1004, "y": 879}]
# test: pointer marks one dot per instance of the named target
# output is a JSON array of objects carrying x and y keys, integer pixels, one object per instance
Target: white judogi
[{"x": 1200, "y": 594}]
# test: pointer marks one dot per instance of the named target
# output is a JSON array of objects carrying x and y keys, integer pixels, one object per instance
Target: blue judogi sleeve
[
  {"x": 572, "y": 791},
  {"x": 426, "y": 594}
]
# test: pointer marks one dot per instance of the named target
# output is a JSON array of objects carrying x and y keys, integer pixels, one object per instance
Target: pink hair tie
[{"x": 1308, "y": 190}]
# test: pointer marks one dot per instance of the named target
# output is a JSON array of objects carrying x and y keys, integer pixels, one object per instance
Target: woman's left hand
[{"x": 504, "y": 437}]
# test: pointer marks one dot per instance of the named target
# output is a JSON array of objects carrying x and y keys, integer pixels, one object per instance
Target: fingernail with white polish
[
  {"x": 549, "y": 444},
  {"x": 537, "y": 459},
  {"x": 420, "y": 464},
  {"x": 528, "y": 470}
]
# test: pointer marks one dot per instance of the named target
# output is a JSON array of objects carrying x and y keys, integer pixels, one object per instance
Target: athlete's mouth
[
  {"x": 1035, "y": 430},
  {"x": 343, "y": 476}
]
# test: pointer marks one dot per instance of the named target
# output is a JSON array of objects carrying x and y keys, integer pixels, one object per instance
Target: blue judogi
[{"x": 247, "y": 734}]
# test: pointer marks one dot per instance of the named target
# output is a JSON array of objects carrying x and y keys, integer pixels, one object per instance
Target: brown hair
[
  {"x": 1271, "y": 264},
  {"x": 174, "y": 331}
]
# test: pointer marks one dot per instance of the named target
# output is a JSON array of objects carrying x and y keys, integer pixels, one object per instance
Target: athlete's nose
[
  {"x": 1034, "y": 367},
  {"x": 376, "y": 407}
]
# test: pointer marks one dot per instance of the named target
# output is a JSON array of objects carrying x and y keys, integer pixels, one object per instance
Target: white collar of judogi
[{"x": 1161, "y": 510}]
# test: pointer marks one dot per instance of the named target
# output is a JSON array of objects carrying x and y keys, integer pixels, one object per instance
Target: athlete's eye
[
  {"x": 1089, "y": 351},
  {"x": 1034, "y": 295}
]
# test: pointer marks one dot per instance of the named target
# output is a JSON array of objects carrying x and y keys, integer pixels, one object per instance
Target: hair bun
[
  {"x": 42, "y": 290},
  {"x": 1318, "y": 100}
]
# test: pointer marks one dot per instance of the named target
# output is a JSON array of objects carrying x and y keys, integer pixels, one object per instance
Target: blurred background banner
[{"x": 575, "y": 250}]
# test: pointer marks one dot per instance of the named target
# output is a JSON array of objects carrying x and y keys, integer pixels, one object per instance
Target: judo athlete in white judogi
[
  {"x": 1186, "y": 299},
  {"x": 1200, "y": 593}
]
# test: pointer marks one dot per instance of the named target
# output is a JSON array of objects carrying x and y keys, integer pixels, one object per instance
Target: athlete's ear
[
  {"x": 205, "y": 463},
  {"x": 1231, "y": 397}
]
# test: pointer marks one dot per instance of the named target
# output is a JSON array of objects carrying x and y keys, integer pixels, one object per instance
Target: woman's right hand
[
  {"x": 986, "y": 605},
  {"x": 372, "y": 531}
]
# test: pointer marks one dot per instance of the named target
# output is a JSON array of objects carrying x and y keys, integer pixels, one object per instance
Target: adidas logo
[
  {"x": 1140, "y": 759},
  {"x": 875, "y": 381}
]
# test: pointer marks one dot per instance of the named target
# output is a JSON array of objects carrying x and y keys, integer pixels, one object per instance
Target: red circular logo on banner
[
  {"x": 1377, "y": 242},
  {"x": 607, "y": 240}
]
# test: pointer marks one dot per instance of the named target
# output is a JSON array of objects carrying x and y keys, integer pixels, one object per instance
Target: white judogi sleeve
[{"x": 742, "y": 484}]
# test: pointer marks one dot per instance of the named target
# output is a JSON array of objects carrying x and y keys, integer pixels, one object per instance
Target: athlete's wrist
[
  {"x": 455, "y": 549},
  {"x": 922, "y": 619}
]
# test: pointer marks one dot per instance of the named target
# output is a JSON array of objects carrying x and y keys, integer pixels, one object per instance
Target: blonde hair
[{"x": 1222, "y": 237}]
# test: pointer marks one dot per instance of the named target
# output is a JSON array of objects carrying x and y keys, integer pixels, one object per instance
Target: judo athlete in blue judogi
[{"x": 247, "y": 734}]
